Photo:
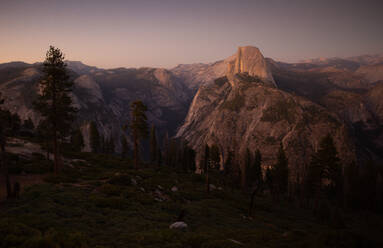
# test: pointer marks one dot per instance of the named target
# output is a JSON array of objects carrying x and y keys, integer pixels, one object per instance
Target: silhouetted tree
[
  {"x": 153, "y": 145},
  {"x": 281, "y": 172},
  {"x": 95, "y": 140},
  {"x": 9, "y": 125},
  {"x": 165, "y": 149},
  {"x": 255, "y": 178},
  {"x": 269, "y": 180},
  {"x": 256, "y": 170},
  {"x": 328, "y": 165},
  {"x": 44, "y": 134},
  {"x": 231, "y": 169},
  {"x": 214, "y": 156},
  {"x": 245, "y": 171},
  {"x": 189, "y": 158},
  {"x": 124, "y": 147},
  {"x": 77, "y": 140},
  {"x": 313, "y": 180},
  {"x": 54, "y": 102},
  {"x": 159, "y": 157},
  {"x": 139, "y": 127},
  {"x": 28, "y": 124},
  {"x": 109, "y": 145},
  {"x": 206, "y": 166}
]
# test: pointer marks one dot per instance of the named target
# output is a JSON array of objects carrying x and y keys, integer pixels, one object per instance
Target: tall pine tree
[
  {"x": 139, "y": 128},
  {"x": 153, "y": 146},
  {"x": 95, "y": 139},
  {"x": 54, "y": 102},
  {"x": 124, "y": 147},
  {"x": 77, "y": 140},
  {"x": 281, "y": 172}
]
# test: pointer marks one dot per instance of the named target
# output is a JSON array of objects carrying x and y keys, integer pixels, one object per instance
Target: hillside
[{"x": 100, "y": 201}]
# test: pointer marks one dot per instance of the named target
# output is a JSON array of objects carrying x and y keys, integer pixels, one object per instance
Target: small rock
[
  {"x": 212, "y": 187},
  {"x": 158, "y": 199},
  {"x": 142, "y": 189},
  {"x": 220, "y": 188},
  {"x": 134, "y": 182},
  {"x": 235, "y": 241},
  {"x": 160, "y": 187},
  {"x": 117, "y": 174},
  {"x": 178, "y": 225},
  {"x": 174, "y": 189}
]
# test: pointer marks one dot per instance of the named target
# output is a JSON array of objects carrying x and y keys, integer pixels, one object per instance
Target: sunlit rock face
[{"x": 249, "y": 60}]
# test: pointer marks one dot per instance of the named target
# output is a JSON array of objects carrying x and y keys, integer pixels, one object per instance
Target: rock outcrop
[
  {"x": 249, "y": 60},
  {"x": 255, "y": 116},
  {"x": 244, "y": 110}
]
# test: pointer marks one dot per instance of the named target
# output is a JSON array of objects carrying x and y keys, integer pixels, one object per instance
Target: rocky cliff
[
  {"x": 244, "y": 109},
  {"x": 103, "y": 96},
  {"x": 254, "y": 115}
]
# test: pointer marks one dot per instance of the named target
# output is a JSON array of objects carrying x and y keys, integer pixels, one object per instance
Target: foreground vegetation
[{"x": 101, "y": 201}]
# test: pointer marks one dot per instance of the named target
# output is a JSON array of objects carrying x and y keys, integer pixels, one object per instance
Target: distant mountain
[
  {"x": 244, "y": 110},
  {"x": 103, "y": 96},
  {"x": 242, "y": 101}
]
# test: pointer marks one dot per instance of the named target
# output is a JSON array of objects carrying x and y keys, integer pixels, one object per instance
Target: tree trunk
[
  {"x": 47, "y": 153},
  {"x": 135, "y": 150},
  {"x": 207, "y": 180},
  {"x": 5, "y": 172},
  {"x": 252, "y": 202},
  {"x": 55, "y": 152}
]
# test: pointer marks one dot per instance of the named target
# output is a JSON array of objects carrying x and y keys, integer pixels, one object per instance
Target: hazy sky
[{"x": 164, "y": 33}]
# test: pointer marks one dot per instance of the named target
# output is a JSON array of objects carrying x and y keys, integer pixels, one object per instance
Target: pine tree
[
  {"x": 28, "y": 124},
  {"x": 124, "y": 147},
  {"x": 206, "y": 167},
  {"x": 214, "y": 156},
  {"x": 159, "y": 157},
  {"x": 54, "y": 102},
  {"x": 110, "y": 147},
  {"x": 328, "y": 164},
  {"x": 139, "y": 127},
  {"x": 281, "y": 171},
  {"x": 246, "y": 170},
  {"x": 269, "y": 180},
  {"x": 256, "y": 170},
  {"x": 95, "y": 140},
  {"x": 153, "y": 145},
  {"x": 44, "y": 133},
  {"x": 255, "y": 178},
  {"x": 9, "y": 126},
  {"x": 166, "y": 150},
  {"x": 313, "y": 181},
  {"x": 77, "y": 140},
  {"x": 231, "y": 169}
]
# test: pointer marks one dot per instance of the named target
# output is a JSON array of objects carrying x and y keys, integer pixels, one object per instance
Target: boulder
[{"x": 178, "y": 225}]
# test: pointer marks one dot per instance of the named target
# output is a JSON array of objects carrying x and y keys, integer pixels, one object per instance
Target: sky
[{"x": 165, "y": 33}]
